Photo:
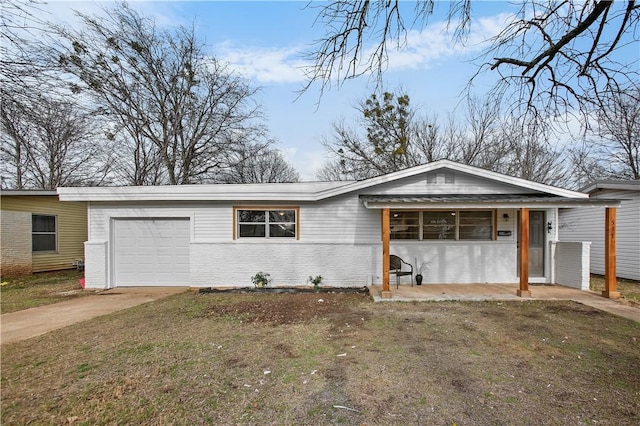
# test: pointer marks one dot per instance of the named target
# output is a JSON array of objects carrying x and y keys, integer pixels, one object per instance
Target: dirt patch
[{"x": 293, "y": 309}]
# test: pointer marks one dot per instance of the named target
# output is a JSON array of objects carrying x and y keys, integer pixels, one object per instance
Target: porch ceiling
[{"x": 474, "y": 201}]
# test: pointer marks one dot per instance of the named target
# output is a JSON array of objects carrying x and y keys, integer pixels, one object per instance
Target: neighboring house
[
  {"x": 39, "y": 233},
  {"x": 588, "y": 225},
  {"x": 455, "y": 223}
]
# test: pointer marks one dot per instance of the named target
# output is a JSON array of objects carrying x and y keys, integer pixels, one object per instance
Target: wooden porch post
[
  {"x": 610, "y": 283},
  {"x": 386, "y": 229},
  {"x": 523, "y": 291}
]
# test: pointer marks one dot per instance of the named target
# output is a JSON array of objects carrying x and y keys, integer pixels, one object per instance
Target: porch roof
[{"x": 474, "y": 201}]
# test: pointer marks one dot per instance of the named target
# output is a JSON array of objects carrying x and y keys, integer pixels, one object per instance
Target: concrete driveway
[{"x": 21, "y": 325}]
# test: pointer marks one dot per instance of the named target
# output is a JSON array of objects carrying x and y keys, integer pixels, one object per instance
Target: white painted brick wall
[
  {"x": 289, "y": 264},
  {"x": 95, "y": 264},
  {"x": 571, "y": 263},
  {"x": 457, "y": 262},
  {"x": 15, "y": 243}
]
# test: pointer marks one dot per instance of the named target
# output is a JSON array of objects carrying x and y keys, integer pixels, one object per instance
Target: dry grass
[
  {"x": 39, "y": 289},
  {"x": 629, "y": 289},
  {"x": 292, "y": 359}
]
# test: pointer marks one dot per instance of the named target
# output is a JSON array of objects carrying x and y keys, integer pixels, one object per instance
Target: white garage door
[{"x": 151, "y": 252}]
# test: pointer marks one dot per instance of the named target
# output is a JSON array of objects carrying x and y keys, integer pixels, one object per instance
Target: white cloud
[
  {"x": 264, "y": 64},
  {"x": 424, "y": 49}
]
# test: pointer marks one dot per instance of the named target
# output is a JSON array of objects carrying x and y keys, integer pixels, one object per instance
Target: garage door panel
[{"x": 151, "y": 252}]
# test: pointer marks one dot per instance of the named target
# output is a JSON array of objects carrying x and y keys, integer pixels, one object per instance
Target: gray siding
[{"x": 587, "y": 224}]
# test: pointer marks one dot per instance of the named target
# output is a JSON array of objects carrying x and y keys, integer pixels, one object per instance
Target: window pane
[
  {"x": 282, "y": 230},
  {"x": 476, "y": 218},
  {"x": 439, "y": 225},
  {"x": 476, "y": 225},
  {"x": 251, "y": 216},
  {"x": 475, "y": 233},
  {"x": 43, "y": 242},
  {"x": 439, "y": 232},
  {"x": 405, "y": 225},
  {"x": 282, "y": 216},
  {"x": 439, "y": 218},
  {"x": 40, "y": 223},
  {"x": 252, "y": 230}
]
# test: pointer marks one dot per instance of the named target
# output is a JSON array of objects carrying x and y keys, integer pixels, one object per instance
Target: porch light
[
  {"x": 506, "y": 217},
  {"x": 549, "y": 226}
]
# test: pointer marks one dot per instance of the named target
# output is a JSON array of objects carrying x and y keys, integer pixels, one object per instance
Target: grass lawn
[
  {"x": 295, "y": 359},
  {"x": 629, "y": 289},
  {"x": 39, "y": 289}
]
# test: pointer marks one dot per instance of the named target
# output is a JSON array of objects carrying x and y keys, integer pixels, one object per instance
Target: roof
[
  {"x": 479, "y": 201},
  {"x": 631, "y": 185},
  {"x": 30, "y": 192},
  {"x": 300, "y": 191}
]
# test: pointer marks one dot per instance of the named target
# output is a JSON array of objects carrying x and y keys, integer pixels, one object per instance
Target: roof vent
[{"x": 436, "y": 178}]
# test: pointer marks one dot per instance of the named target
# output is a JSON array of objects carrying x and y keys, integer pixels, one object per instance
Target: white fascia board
[
  {"x": 627, "y": 185},
  {"x": 302, "y": 191},
  {"x": 463, "y": 168}
]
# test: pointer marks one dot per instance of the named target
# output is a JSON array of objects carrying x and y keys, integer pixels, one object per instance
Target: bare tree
[
  {"x": 552, "y": 57},
  {"x": 619, "y": 131},
  {"x": 395, "y": 137},
  {"x": 21, "y": 53},
  {"x": 48, "y": 143},
  {"x": 173, "y": 103},
  {"x": 611, "y": 150},
  {"x": 260, "y": 165}
]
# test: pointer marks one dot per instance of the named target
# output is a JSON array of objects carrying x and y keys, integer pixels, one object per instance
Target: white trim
[
  {"x": 627, "y": 185},
  {"x": 300, "y": 191}
]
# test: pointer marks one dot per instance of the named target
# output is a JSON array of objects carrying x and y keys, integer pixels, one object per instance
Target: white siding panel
[
  {"x": 464, "y": 184},
  {"x": 339, "y": 220},
  {"x": 587, "y": 224}
]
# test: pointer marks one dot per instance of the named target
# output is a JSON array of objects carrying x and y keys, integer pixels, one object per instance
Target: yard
[
  {"x": 39, "y": 289},
  {"x": 329, "y": 359}
]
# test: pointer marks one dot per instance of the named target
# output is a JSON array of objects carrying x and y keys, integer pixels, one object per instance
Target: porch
[{"x": 503, "y": 292}]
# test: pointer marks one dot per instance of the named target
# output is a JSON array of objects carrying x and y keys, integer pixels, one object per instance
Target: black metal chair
[{"x": 395, "y": 267}]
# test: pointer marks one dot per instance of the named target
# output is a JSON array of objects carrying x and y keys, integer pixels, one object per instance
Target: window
[
  {"x": 43, "y": 233},
  {"x": 405, "y": 225},
  {"x": 442, "y": 225},
  {"x": 266, "y": 223}
]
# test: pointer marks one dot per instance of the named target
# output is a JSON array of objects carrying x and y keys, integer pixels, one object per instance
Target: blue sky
[{"x": 266, "y": 42}]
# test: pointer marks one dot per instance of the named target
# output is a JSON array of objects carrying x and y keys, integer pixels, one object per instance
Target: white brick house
[{"x": 455, "y": 223}]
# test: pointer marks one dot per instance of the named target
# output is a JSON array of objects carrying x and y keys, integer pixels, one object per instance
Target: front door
[{"x": 536, "y": 243}]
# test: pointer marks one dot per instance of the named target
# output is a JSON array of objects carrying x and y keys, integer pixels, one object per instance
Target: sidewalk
[{"x": 21, "y": 325}]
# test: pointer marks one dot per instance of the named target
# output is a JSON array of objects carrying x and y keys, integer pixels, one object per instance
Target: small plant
[
  {"x": 316, "y": 281},
  {"x": 261, "y": 280}
]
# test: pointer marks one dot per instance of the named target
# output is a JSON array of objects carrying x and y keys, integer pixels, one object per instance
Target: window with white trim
[
  {"x": 266, "y": 223},
  {"x": 44, "y": 235},
  {"x": 442, "y": 225}
]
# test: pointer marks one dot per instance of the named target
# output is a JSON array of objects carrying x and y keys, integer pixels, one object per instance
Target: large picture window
[
  {"x": 43, "y": 233},
  {"x": 442, "y": 225},
  {"x": 266, "y": 223}
]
